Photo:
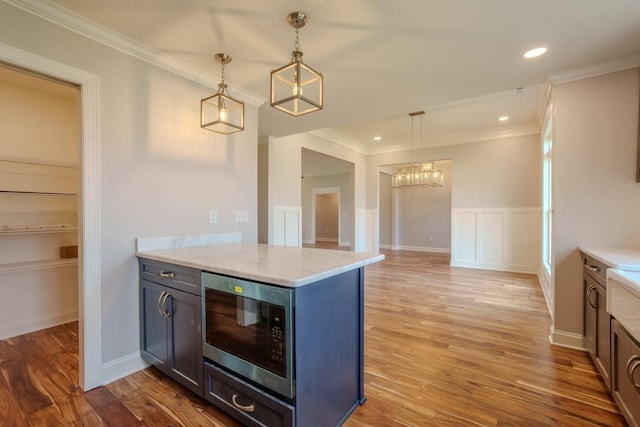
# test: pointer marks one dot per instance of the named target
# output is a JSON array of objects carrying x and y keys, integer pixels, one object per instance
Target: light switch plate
[
  {"x": 213, "y": 216},
  {"x": 242, "y": 216}
]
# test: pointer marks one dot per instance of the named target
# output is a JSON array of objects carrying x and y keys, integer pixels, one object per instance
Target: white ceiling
[{"x": 458, "y": 60}]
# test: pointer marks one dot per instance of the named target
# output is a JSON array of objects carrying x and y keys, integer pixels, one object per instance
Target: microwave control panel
[{"x": 278, "y": 333}]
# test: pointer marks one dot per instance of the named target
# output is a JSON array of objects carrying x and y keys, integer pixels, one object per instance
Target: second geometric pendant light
[{"x": 296, "y": 88}]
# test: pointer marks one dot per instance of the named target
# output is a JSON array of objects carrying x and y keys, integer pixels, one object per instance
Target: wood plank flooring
[{"x": 443, "y": 346}]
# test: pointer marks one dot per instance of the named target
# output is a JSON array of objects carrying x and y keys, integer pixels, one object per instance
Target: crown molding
[
  {"x": 101, "y": 34},
  {"x": 340, "y": 139},
  {"x": 618, "y": 64}
]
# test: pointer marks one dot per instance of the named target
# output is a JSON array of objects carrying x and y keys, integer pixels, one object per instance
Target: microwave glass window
[{"x": 246, "y": 328}]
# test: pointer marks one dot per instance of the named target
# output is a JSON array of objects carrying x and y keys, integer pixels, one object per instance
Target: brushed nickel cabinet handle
[
  {"x": 168, "y": 274},
  {"x": 632, "y": 365},
  {"x": 160, "y": 304},
  {"x": 245, "y": 408},
  {"x": 167, "y": 313},
  {"x": 588, "y": 296},
  {"x": 594, "y": 268}
]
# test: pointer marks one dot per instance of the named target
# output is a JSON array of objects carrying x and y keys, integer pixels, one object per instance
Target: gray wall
[
  {"x": 327, "y": 214},
  {"x": 596, "y": 198},
  {"x": 386, "y": 212},
  {"x": 160, "y": 174},
  {"x": 423, "y": 215}
]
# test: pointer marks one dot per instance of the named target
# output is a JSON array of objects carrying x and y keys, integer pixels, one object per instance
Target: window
[{"x": 547, "y": 199}]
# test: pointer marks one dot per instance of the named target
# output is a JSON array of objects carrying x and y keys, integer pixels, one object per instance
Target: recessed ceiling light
[
  {"x": 503, "y": 118},
  {"x": 377, "y": 138},
  {"x": 535, "y": 52}
]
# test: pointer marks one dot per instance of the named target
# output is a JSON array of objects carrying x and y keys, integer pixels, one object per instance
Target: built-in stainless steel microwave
[{"x": 247, "y": 328}]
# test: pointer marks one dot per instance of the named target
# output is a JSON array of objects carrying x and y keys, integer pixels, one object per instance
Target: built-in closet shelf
[
  {"x": 38, "y": 229},
  {"x": 36, "y": 265}
]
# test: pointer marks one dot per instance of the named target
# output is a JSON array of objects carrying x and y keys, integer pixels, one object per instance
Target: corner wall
[{"x": 596, "y": 198}]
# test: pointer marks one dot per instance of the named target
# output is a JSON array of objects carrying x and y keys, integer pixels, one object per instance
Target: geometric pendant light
[
  {"x": 221, "y": 113},
  {"x": 296, "y": 88}
]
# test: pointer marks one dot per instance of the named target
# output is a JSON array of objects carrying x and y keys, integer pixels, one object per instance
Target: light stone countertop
[
  {"x": 280, "y": 265},
  {"x": 621, "y": 259}
]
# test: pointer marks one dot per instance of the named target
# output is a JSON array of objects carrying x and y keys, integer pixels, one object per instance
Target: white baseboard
[
  {"x": 32, "y": 325},
  {"x": 121, "y": 367},
  {"x": 419, "y": 249},
  {"x": 384, "y": 246},
  {"x": 544, "y": 279},
  {"x": 566, "y": 339},
  {"x": 308, "y": 242},
  {"x": 344, "y": 244}
]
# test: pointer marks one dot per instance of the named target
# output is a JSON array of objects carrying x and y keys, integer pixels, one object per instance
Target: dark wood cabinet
[
  {"x": 171, "y": 322},
  {"x": 625, "y": 373},
  {"x": 597, "y": 321}
]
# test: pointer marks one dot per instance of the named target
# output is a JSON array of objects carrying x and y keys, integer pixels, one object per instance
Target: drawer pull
[
  {"x": 245, "y": 408},
  {"x": 166, "y": 313},
  {"x": 632, "y": 365},
  {"x": 594, "y": 268},
  {"x": 588, "y": 296},
  {"x": 168, "y": 274},
  {"x": 160, "y": 303}
]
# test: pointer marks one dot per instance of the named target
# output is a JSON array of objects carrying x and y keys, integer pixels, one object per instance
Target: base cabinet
[
  {"x": 171, "y": 329},
  {"x": 625, "y": 376},
  {"x": 597, "y": 321}
]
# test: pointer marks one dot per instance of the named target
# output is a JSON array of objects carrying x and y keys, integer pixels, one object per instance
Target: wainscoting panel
[
  {"x": 287, "y": 226},
  {"x": 505, "y": 239}
]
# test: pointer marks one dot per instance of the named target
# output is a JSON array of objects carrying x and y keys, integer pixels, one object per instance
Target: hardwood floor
[{"x": 443, "y": 346}]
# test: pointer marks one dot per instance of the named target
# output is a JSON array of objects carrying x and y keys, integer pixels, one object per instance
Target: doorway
[
  {"x": 325, "y": 215},
  {"x": 89, "y": 295}
]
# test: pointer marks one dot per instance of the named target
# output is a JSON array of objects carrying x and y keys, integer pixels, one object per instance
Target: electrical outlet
[
  {"x": 213, "y": 216},
  {"x": 242, "y": 216}
]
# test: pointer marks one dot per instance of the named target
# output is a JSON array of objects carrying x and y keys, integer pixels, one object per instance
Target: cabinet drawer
[
  {"x": 175, "y": 276},
  {"x": 595, "y": 269},
  {"x": 246, "y": 403}
]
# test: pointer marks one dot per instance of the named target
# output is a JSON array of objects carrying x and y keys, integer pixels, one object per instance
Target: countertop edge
[
  {"x": 611, "y": 257},
  {"x": 154, "y": 255},
  {"x": 629, "y": 278}
]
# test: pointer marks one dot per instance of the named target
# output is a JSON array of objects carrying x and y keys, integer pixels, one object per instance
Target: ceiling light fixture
[
  {"x": 423, "y": 175},
  {"x": 221, "y": 113},
  {"x": 535, "y": 52},
  {"x": 296, "y": 88},
  {"x": 503, "y": 118},
  {"x": 377, "y": 138}
]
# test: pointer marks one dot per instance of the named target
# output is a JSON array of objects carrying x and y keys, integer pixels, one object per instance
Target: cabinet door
[
  {"x": 153, "y": 325},
  {"x": 597, "y": 327},
  {"x": 185, "y": 339},
  {"x": 625, "y": 376},
  {"x": 590, "y": 314},
  {"x": 603, "y": 337}
]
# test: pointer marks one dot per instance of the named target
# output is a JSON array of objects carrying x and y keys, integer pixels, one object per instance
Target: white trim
[
  {"x": 32, "y": 325},
  {"x": 327, "y": 239},
  {"x": 37, "y": 265},
  {"x": 122, "y": 366},
  {"x": 619, "y": 64},
  {"x": 566, "y": 339},
  {"x": 513, "y": 268},
  {"x": 344, "y": 244},
  {"x": 418, "y": 249},
  {"x": 89, "y": 280},
  {"x": 94, "y": 31}
]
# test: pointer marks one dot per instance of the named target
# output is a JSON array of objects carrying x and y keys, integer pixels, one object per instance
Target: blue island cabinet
[{"x": 328, "y": 323}]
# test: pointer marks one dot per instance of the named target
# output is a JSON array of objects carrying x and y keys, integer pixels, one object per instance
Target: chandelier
[
  {"x": 296, "y": 88},
  {"x": 422, "y": 175},
  {"x": 221, "y": 113}
]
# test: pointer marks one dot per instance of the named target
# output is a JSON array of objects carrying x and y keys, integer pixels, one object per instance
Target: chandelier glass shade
[
  {"x": 424, "y": 175},
  {"x": 296, "y": 88},
  {"x": 421, "y": 175},
  {"x": 222, "y": 113}
]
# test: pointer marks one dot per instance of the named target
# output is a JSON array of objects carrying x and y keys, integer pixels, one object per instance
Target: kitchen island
[{"x": 319, "y": 347}]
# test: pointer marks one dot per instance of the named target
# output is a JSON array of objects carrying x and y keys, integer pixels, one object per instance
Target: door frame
[
  {"x": 319, "y": 191},
  {"x": 89, "y": 295}
]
